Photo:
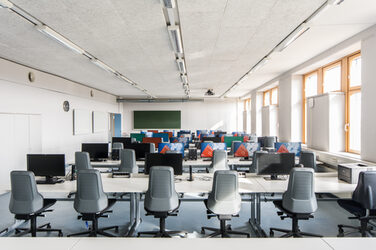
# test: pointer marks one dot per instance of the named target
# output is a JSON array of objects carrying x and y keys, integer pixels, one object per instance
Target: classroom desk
[{"x": 46, "y": 243}]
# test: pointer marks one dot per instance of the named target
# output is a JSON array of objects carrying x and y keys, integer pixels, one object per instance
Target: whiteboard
[
  {"x": 100, "y": 120},
  {"x": 81, "y": 122}
]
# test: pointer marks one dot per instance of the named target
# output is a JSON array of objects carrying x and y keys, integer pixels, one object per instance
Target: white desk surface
[{"x": 47, "y": 243}]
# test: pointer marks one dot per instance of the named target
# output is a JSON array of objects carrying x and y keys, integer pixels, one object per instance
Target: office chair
[
  {"x": 362, "y": 205},
  {"x": 224, "y": 201},
  {"x": 161, "y": 199},
  {"x": 298, "y": 202},
  {"x": 254, "y": 166},
  {"x": 308, "y": 159},
  {"x": 269, "y": 143},
  {"x": 219, "y": 161},
  {"x": 128, "y": 161},
  {"x": 232, "y": 152},
  {"x": 27, "y": 204},
  {"x": 92, "y": 202},
  {"x": 115, "y": 152},
  {"x": 152, "y": 148},
  {"x": 82, "y": 161}
]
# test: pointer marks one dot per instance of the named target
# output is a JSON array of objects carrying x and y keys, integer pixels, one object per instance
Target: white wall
[
  {"x": 210, "y": 114},
  {"x": 45, "y": 97},
  {"x": 368, "y": 126}
]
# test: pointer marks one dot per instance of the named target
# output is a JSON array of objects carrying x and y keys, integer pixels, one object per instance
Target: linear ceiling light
[
  {"x": 300, "y": 30},
  {"x": 175, "y": 38},
  {"x": 260, "y": 64},
  {"x": 103, "y": 65},
  {"x": 61, "y": 39},
  {"x": 181, "y": 65},
  {"x": 184, "y": 79},
  {"x": 169, "y": 3},
  {"x": 6, "y": 4}
]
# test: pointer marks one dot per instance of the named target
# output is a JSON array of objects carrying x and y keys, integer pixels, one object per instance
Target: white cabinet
[{"x": 326, "y": 121}]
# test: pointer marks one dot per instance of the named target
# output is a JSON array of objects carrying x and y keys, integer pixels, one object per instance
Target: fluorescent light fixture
[
  {"x": 169, "y": 3},
  {"x": 103, "y": 65},
  {"x": 175, "y": 38},
  {"x": 181, "y": 65},
  {"x": 61, "y": 39},
  {"x": 184, "y": 79},
  {"x": 171, "y": 16},
  {"x": 300, "y": 30},
  {"x": 260, "y": 64},
  {"x": 6, "y": 4}
]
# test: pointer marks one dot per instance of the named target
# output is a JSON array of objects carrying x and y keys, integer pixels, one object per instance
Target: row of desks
[{"x": 187, "y": 244}]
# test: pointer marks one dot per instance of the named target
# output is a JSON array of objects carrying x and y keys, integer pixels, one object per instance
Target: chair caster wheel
[
  {"x": 202, "y": 231},
  {"x": 17, "y": 231},
  {"x": 248, "y": 236},
  {"x": 60, "y": 234},
  {"x": 271, "y": 233},
  {"x": 48, "y": 226},
  {"x": 116, "y": 229}
]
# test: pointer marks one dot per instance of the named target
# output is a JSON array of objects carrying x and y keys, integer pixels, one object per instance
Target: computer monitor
[
  {"x": 97, "y": 151},
  {"x": 210, "y": 138},
  {"x": 275, "y": 164},
  {"x": 172, "y": 160},
  {"x": 47, "y": 165},
  {"x": 124, "y": 140},
  {"x": 219, "y": 133},
  {"x": 141, "y": 149}
]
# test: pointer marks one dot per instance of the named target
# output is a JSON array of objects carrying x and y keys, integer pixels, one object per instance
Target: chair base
[
  {"x": 365, "y": 230},
  {"x": 224, "y": 231},
  {"x": 163, "y": 233},
  {"x": 33, "y": 229},
  {"x": 290, "y": 233},
  {"x": 95, "y": 233}
]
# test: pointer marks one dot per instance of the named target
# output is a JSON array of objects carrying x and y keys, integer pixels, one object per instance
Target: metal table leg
[
  {"x": 134, "y": 214},
  {"x": 255, "y": 219}
]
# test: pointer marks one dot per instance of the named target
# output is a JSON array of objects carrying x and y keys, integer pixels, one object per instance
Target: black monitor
[
  {"x": 219, "y": 133},
  {"x": 124, "y": 140},
  {"x": 275, "y": 164},
  {"x": 260, "y": 140},
  {"x": 157, "y": 159},
  {"x": 47, "y": 165},
  {"x": 97, "y": 151},
  {"x": 209, "y": 138},
  {"x": 141, "y": 149}
]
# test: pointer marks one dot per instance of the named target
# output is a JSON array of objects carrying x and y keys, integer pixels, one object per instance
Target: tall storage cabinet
[{"x": 326, "y": 122}]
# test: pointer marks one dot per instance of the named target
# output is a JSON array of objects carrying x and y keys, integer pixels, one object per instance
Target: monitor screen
[
  {"x": 275, "y": 163},
  {"x": 124, "y": 140},
  {"x": 46, "y": 164},
  {"x": 141, "y": 149},
  {"x": 173, "y": 160},
  {"x": 96, "y": 150}
]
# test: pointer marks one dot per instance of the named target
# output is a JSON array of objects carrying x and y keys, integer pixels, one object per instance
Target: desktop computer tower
[{"x": 192, "y": 154}]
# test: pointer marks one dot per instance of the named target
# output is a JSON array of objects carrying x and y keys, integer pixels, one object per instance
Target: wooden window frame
[
  {"x": 330, "y": 66},
  {"x": 305, "y": 99},
  {"x": 270, "y": 91}
]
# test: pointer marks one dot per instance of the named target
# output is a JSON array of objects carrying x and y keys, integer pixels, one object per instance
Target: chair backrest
[
  {"x": 300, "y": 195},
  {"x": 269, "y": 141},
  {"x": 365, "y": 191},
  {"x": 219, "y": 161},
  {"x": 224, "y": 198},
  {"x": 232, "y": 147},
  {"x": 255, "y": 161},
  {"x": 308, "y": 159},
  {"x": 161, "y": 195},
  {"x": 90, "y": 197},
  {"x": 128, "y": 161},
  {"x": 82, "y": 161},
  {"x": 24, "y": 198},
  {"x": 152, "y": 148},
  {"x": 117, "y": 145}
]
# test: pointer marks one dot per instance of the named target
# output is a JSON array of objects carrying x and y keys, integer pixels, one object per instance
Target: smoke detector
[{"x": 210, "y": 92}]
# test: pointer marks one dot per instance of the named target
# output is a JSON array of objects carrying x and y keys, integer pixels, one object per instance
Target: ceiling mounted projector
[{"x": 210, "y": 92}]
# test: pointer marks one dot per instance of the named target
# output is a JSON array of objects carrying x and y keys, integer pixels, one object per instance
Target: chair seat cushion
[
  {"x": 354, "y": 207},
  {"x": 278, "y": 204}
]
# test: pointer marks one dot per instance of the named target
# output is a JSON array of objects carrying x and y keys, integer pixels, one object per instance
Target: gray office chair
[
  {"x": 219, "y": 161},
  {"x": 82, "y": 161},
  {"x": 298, "y": 202},
  {"x": 115, "y": 152},
  {"x": 27, "y": 204},
  {"x": 161, "y": 199},
  {"x": 232, "y": 147},
  {"x": 224, "y": 201},
  {"x": 152, "y": 148},
  {"x": 308, "y": 159},
  {"x": 362, "y": 205},
  {"x": 92, "y": 202},
  {"x": 254, "y": 167},
  {"x": 128, "y": 161}
]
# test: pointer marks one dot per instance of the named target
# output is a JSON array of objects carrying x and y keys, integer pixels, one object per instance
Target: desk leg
[
  {"x": 255, "y": 219},
  {"x": 134, "y": 214}
]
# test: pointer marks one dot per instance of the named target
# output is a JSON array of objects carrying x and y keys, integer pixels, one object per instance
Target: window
[
  {"x": 271, "y": 97},
  {"x": 332, "y": 78},
  {"x": 353, "y": 114},
  {"x": 247, "y": 109},
  {"x": 329, "y": 78}
]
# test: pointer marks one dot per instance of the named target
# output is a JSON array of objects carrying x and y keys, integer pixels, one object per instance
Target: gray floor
[{"x": 192, "y": 216}]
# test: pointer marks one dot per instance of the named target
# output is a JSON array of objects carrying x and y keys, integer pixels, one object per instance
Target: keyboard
[{"x": 121, "y": 174}]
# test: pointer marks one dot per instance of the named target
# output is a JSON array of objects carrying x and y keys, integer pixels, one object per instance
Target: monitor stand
[
  {"x": 275, "y": 177},
  {"x": 50, "y": 180}
]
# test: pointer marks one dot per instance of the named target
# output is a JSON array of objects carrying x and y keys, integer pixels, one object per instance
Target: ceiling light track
[
  {"x": 48, "y": 31},
  {"x": 287, "y": 41},
  {"x": 171, "y": 13}
]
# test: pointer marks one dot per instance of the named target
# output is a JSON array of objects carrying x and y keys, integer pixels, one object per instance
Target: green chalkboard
[{"x": 157, "y": 119}]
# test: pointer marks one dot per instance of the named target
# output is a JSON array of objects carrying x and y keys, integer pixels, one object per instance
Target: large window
[
  {"x": 271, "y": 97},
  {"x": 342, "y": 75}
]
